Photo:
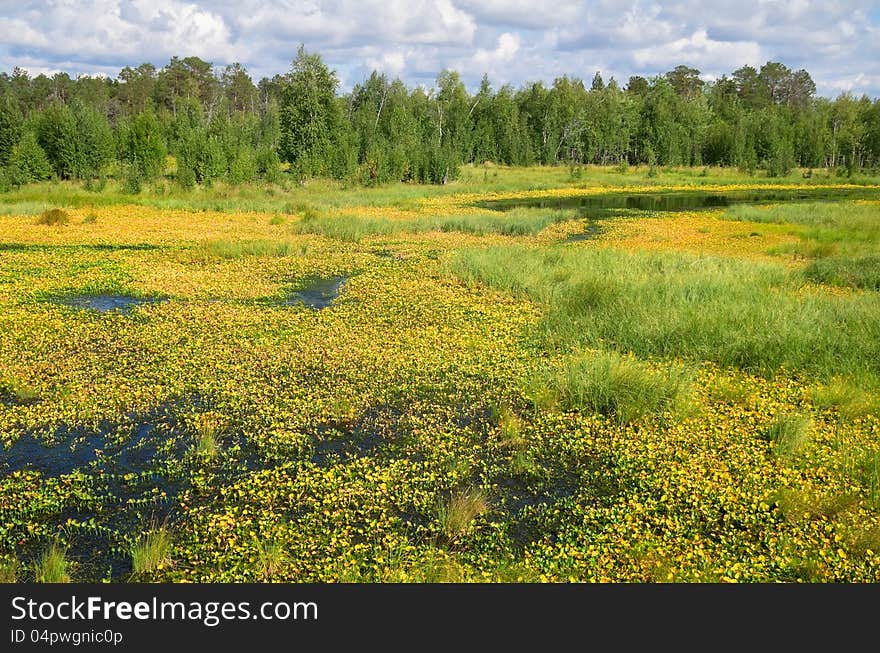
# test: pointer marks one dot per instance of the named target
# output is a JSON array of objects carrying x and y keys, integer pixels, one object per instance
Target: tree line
[{"x": 219, "y": 124}]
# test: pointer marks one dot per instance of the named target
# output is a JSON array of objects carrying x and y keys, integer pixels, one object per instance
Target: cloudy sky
[{"x": 838, "y": 41}]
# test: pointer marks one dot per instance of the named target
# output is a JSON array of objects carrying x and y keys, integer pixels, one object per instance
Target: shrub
[
  {"x": 185, "y": 177},
  {"x": 28, "y": 162},
  {"x": 132, "y": 180}
]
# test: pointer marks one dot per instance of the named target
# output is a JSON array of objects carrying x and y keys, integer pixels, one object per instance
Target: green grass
[
  {"x": 272, "y": 556},
  {"x": 840, "y": 239},
  {"x": 289, "y": 197},
  {"x": 17, "y": 391},
  {"x": 52, "y": 566},
  {"x": 829, "y": 221},
  {"x": 509, "y": 426},
  {"x": 207, "y": 429},
  {"x": 847, "y": 399},
  {"x": 151, "y": 551},
  {"x": 825, "y": 228},
  {"x": 9, "y": 569},
  {"x": 617, "y": 386},
  {"x": 53, "y": 217},
  {"x": 234, "y": 249},
  {"x": 350, "y": 228},
  {"x": 516, "y": 222},
  {"x": 789, "y": 432},
  {"x": 460, "y": 509},
  {"x": 855, "y": 272},
  {"x": 730, "y": 390},
  {"x": 739, "y": 314}
]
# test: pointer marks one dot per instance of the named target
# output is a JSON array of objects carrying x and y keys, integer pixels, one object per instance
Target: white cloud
[
  {"x": 699, "y": 51},
  {"x": 513, "y": 40}
]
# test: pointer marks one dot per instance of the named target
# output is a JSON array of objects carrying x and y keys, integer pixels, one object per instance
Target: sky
[{"x": 837, "y": 41}]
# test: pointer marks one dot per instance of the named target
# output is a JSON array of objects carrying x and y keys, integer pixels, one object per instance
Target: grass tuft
[
  {"x": 152, "y": 551},
  {"x": 208, "y": 427},
  {"x": 235, "y": 249},
  {"x": 9, "y": 569},
  {"x": 271, "y": 558},
  {"x": 620, "y": 387},
  {"x": 53, "y": 217},
  {"x": 460, "y": 509},
  {"x": 850, "y": 401},
  {"x": 509, "y": 426},
  {"x": 789, "y": 432},
  {"x": 52, "y": 566}
]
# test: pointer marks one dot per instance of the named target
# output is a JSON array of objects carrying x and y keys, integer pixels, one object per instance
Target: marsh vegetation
[{"x": 690, "y": 394}]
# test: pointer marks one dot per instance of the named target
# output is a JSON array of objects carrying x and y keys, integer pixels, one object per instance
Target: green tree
[
  {"x": 11, "y": 123},
  {"x": 28, "y": 162},
  {"x": 310, "y": 116},
  {"x": 140, "y": 143},
  {"x": 57, "y": 135}
]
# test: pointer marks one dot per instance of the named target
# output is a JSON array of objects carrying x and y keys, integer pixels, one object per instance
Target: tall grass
[
  {"x": 842, "y": 239},
  {"x": 460, "y": 509},
  {"x": 52, "y": 566},
  {"x": 831, "y": 221},
  {"x": 151, "y": 551},
  {"x": 617, "y": 386},
  {"x": 233, "y": 249},
  {"x": 789, "y": 432},
  {"x": 9, "y": 570},
  {"x": 272, "y": 557},
  {"x": 53, "y": 217},
  {"x": 352, "y": 228},
  {"x": 738, "y": 314},
  {"x": 856, "y": 272}
]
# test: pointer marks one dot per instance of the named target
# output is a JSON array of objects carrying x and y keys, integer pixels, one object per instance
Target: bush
[
  {"x": 185, "y": 177},
  {"x": 28, "y": 162},
  {"x": 132, "y": 181},
  {"x": 243, "y": 167},
  {"x": 268, "y": 164}
]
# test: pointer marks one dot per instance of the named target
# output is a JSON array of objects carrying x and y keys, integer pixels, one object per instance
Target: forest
[{"x": 193, "y": 123}]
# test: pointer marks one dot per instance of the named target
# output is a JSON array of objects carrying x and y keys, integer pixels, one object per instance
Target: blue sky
[{"x": 837, "y": 42}]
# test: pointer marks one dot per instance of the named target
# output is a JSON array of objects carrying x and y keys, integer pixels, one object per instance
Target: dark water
[
  {"x": 598, "y": 205},
  {"x": 591, "y": 231},
  {"x": 317, "y": 293},
  {"x": 72, "y": 452},
  {"x": 131, "y": 470},
  {"x": 108, "y": 303},
  {"x": 595, "y": 208}
]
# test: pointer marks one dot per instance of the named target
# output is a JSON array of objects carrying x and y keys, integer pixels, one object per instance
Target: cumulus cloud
[{"x": 511, "y": 40}]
